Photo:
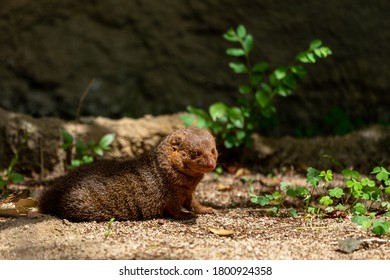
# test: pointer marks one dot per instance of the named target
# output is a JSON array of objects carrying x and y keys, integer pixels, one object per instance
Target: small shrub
[
  {"x": 79, "y": 152},
  {"x": 235, "y": 124},
  {"x": 9, "y": 175},
  {"x": 358, "y": 196}
]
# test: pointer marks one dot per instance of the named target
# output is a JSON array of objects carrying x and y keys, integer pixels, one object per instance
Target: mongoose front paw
[
  {"x": 184, "y": 216},
  {"x": 204, "y": 210}
]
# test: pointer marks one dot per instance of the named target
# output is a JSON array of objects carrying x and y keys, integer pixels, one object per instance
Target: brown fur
[{"x": 159, "y": 183}]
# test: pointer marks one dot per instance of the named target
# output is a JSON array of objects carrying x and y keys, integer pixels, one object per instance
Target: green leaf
[
  {"x": 376, "y": 169},
  {"x": 359, "y": 219},
  {"x": 302, "y": 57},
  {"x": 359, "y": 209},
  {"x": 236, "y": 117},
  {"x": 298, "y": 192},
  {"x": 260, "y": 67},
  {"x": 16, "y": 178},
  {"x": 381, "y": 173},
  {"x": 231, "y": 36},
  {"x": 266, "y": 88},
  {"x": 235, "y": 52},
  {"x": 76, "y": 162},
  {"x": 367, "y": 182},
  {"x": 380, "y": 227},
  {"x": 80, "y": 147},
  {"x": 87, "y": 159},
  {"x": 244, "y": 89},
  {"x": 248, "y": 44},
  {"x": 275, "y": 210},
  {"x": 284, "y": 186},
  {"x": 228, "y": 143},
  {"x": 106, "y": 141},
  {"x": 198, "y": 112},
  {"x": 262, "y": 200},
  {"x": 336, "y": 192},
  {"x": 281, "y": 90},
  {"x": 290, "y": 82},
  {"x": 310, "y": 57},
  {"x": 312, "y": 210},
  {"x": 322, "y": 52},
  {"x": 66, "y": 136},
  {"x": 238, "y": 68},
  {"x": 347, "y": 173},
  {"x": 373, "y": 193},
  {"x": 262, "y": 99},
  {"x": 98, "y": 150},
  {"x": 3, "y": 182},
  {"x": 306, "y": 57},
  {"x": 327, "y": 175},
  {"x": 187, "y": 119},
  {"x": 315, "y": 44},
  {"x": 329, "y": 209},
  {"x": 203, "y": 118},
  {"x": 298, "y": 70},
  {"x": 241, "y": 31},
  {"x": 218, "y": 111},
  {"x": 387, "y": 214},
  {"x": 313, "y": 176},
  {"x": 326, "y": 201},
  {"x": 280, "y": 73},
  {"x": 293, "y": 213},
  {"x": 241, "y": 135}
]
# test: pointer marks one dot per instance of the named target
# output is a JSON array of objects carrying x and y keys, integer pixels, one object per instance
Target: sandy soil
[{"x": 252, "y": 233}]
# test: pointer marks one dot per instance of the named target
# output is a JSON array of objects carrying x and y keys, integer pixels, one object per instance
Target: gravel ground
[{"x": 250, "y": 233}]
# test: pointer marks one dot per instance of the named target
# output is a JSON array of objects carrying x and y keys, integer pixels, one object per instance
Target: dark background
[{"x": 157, "y": 57}]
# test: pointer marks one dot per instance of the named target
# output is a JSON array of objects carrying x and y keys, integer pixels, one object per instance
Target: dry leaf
[
  {"x": 242, "y": 172},
  {"x": 221, "y": 231},
  {"x": 26, "y": 203},
  {"x": 20, "y": 208},
  {"x": 9, "y": 212},
  {"x": 224, "y": 188}
]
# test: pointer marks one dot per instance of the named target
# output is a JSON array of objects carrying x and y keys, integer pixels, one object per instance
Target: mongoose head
[{"x": 193, "y": 150}]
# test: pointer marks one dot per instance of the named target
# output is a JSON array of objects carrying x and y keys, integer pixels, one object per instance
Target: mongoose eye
[
  {"x": 213, "y": 151},
  {"x": 196, "y": 153}
]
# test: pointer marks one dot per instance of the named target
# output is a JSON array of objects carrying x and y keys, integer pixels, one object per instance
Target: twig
[
  {"x": 41, "y": 159},
  {"x": 83, "y": 96}
]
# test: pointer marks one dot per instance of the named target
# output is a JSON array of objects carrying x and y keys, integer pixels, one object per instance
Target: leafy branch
[{"x": 235, "y": 124}]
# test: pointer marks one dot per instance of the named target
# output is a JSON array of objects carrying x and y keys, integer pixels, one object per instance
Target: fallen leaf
[
  {"x": 9, "y": 212},
  {"x": 21, "y": 208},
  {"x": 242, "y": 172},
  {"x": 26, "y": 203},
  {"x": 221, "y": 231},
  {"x": 336, "y": 214},
  {"x": 224, "y": 188}
]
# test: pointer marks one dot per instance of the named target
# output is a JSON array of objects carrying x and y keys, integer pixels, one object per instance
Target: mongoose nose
[{"x": 211, "y": 164}]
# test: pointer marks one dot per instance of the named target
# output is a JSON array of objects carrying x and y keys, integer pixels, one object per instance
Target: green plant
[
  {"x": 9, "y": 175},
  {"x": 79, "y": 152},
  {"x": 217, "y": 172},
  {"x": 362, "y": 196},
  {"x": 235, "y": 124},
  {"x": 109, "y": 225}
]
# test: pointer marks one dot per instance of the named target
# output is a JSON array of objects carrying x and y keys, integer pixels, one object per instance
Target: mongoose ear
[{"x": 176, "y": 142}]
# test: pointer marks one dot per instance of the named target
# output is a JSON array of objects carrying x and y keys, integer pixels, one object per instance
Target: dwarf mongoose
[{"x": 159, "y": 183}]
